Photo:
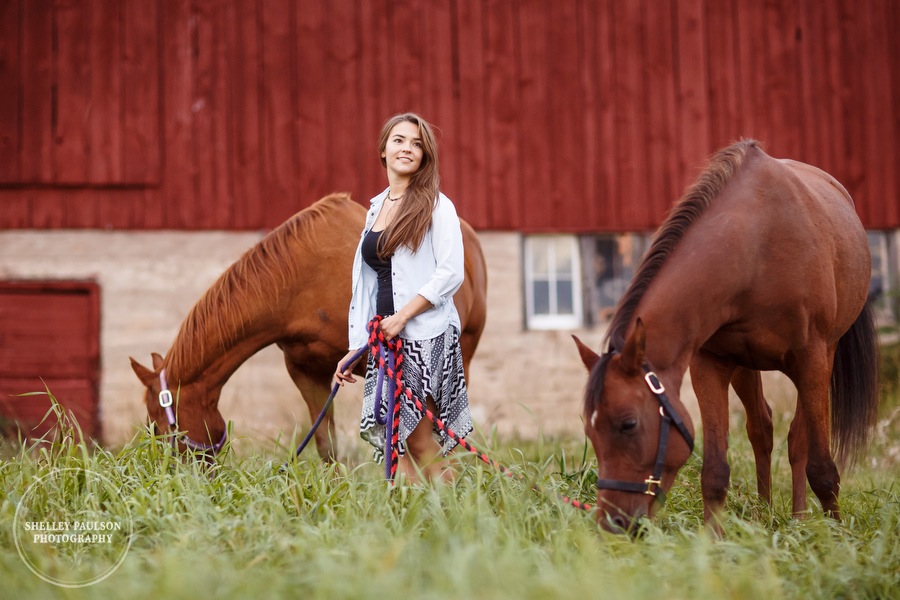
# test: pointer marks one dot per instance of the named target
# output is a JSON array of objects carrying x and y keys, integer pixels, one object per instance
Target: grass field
[{"x": 251, "y": 530}]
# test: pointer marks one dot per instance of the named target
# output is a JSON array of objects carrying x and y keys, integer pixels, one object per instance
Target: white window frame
[{"x": 554, "y": 320}]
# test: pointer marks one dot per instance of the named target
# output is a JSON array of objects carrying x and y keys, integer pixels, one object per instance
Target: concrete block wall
[{"x": 521, "y": 382}]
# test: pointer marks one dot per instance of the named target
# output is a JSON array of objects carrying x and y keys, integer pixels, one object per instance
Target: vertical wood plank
[
  {"x": 587, "y": 48},
  {"x": 347, "y": 145},
  {"x": 373, "y": 102},
  {"x": 892, "y": 19},
  {"x": 209, "y": 132},
  {"x": 10, "y": 80},
  {"x": 752, "y": 44},
  {"x": 223, "y": 69},
  {"x": 72, "y": 143},
  {"x": 723, "y": 81},
  {"x": 566, "y": 198},
  {"x": 441, "y": 92},
  {"x": 534, "y": 93},
  {"x": 812, "y": 55},
  {"x": 783, "y": 76},
  {"x": 601, "y": 46},
  {"x": 663, "y": 133},
  {"x": 854, "y": 82},
  {"x": 141, "y": 79},
  {"x": 880, "y": 153},
  {"x": 38, "y": 92},
  {"x": 279, "y": 109},
  {"x": 15, "y": 209},
  {"x": 178, "y": 209},
  {"x": 405, "y": 41},
  {"x": 48, "y": 207},
  {"x": 244, "y": 115},
  {"x": 116, "y": 207},
  {"x": 631, "y": 109},
  {"x": 105, "y": 116},
  {"x": 470, "y": 123},
  {"x": 828, "y": 101},
  {"x": 692, "y": 91},
  {"x": 502, "y": 63},
  {"x": 315, "y": 71}
]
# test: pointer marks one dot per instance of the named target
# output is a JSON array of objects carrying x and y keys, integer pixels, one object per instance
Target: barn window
[
  {"x": 883, "y": 284},
  {"x": 611, "y": 262},
  {"x": 553, "y": 293}
]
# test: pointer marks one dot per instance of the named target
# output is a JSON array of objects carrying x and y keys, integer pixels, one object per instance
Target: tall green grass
[{"x": 246, "y": 528}]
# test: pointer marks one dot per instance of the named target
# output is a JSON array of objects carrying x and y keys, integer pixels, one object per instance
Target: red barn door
[{"x": 49, "y": 334}]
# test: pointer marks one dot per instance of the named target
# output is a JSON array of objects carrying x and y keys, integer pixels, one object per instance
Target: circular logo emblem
[{"x": 72, "y": 527}]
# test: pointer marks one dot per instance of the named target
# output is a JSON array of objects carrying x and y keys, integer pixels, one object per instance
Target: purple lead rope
[{"x": 384, "y": 414}]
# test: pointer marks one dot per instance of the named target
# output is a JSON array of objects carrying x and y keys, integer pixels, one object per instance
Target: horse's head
[
  {"x": 629, "y": 417},
  {"x": 192, "y": 411}
]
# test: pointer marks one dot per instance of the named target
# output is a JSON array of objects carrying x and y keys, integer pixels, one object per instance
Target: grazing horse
[
  {"x": 763, "y": 264},
  {"x": 291, "y": 289}
]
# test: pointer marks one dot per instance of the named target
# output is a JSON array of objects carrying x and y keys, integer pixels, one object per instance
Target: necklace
[{"x": 395, "y": 199}]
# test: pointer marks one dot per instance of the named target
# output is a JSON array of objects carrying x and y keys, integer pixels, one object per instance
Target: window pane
[
  {"x": 563, "y": 255},
  {"x": 541, "y": 297},
  {"x": 615, "y": 259},
  {"x": 540, "y": 266},
  {"x": 564, "y": 298},
  {"x": 553, "y": 282}
]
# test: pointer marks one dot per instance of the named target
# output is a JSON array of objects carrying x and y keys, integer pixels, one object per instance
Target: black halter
[{"x": 652, "y": 485}]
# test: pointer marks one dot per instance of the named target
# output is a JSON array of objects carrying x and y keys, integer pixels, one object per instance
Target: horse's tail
[{"x": 854, "y": 387}]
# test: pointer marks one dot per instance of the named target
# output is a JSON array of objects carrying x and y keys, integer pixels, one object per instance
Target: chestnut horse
[
  {"x": 291, "y": 289},
  {"x": 763, "y": 264}
]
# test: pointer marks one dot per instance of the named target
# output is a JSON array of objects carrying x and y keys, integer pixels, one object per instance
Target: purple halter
[{"x": 166, "y": 401}]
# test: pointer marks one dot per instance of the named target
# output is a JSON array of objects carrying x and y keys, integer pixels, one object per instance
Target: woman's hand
[
  {"x": 346, "y": 375},
  {"x": 392, "y": 326}
]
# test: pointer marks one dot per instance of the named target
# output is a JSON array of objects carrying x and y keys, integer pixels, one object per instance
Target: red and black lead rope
[{"x": 389, "y": 354}]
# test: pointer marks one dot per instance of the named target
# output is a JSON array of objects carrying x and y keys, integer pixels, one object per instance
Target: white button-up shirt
[{"x": 435, "y": 272}]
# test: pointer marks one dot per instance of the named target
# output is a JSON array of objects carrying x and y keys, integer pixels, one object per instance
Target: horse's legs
[
  {"x": 423, "y": 453},
  {"x": 468, "y": 341},
  {"x": 748, "y": 386},
  {"x": 710, "y": 378},
  {"x": 813, "y": 383},
  {"x": 797, "y": 451},
  {"x": 315, "y": 394}
]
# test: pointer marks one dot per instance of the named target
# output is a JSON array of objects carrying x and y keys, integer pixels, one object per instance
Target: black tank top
[{"x": 384, "y": 298}]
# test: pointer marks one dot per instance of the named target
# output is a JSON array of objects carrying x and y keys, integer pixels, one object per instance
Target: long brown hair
[{"x": 413, "y": 217}]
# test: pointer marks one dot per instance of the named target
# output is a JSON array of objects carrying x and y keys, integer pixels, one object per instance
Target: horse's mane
[
  {"x": 262, "y": 270},
  {"x": 711, "y": 181}
]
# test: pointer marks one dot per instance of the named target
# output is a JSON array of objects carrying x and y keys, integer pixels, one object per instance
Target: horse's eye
[{"x": 628, "y": 426}]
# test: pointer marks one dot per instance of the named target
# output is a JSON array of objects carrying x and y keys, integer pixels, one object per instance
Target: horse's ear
[
  {"x": 144, "y": 374},
  {"x": 633, "y": 352},
  {"x": 588, "y": 356},
  {"x": 157, "y": 361}
]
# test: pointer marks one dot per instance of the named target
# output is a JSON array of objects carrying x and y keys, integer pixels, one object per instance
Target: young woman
[{"x": 408, "y": 265}]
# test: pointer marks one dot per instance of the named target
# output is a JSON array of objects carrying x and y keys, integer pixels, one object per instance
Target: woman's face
[{"x": 404, "y": 151}]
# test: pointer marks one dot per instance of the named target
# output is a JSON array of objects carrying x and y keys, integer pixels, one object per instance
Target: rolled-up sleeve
[{"x": 447, "y": 248}]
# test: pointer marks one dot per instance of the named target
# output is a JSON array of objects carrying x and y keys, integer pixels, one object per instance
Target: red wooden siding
[
  {"x": 572, "y": 115},
  {"x": 49, "y": 335}
]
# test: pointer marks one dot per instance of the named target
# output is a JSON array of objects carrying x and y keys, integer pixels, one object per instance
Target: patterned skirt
[{"x": 430, "y": 368}]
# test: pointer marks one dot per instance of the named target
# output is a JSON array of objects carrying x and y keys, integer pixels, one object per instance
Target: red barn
[{"x": 144, "y": 144}]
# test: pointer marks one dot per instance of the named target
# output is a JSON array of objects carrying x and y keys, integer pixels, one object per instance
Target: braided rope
[{"x": 394, "y": 348}]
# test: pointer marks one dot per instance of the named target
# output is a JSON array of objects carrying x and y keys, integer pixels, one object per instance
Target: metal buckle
[
  {"x": 165, "y": 398},
  {"x": 655, "y": 384},
  {"x": 650, "y": 481}
]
